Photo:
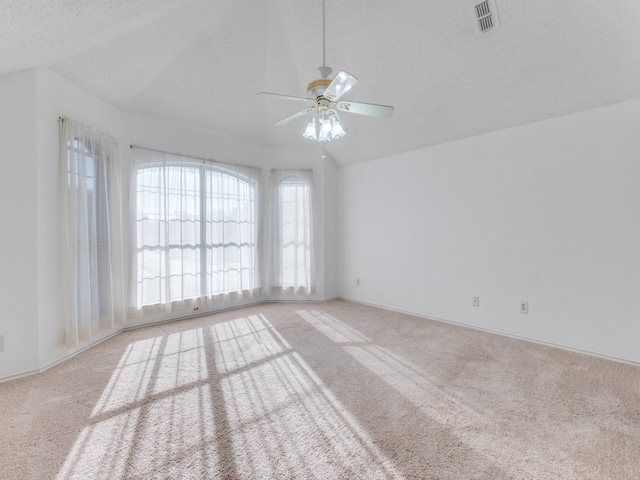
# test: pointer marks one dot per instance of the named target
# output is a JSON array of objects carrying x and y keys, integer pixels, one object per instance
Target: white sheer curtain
[
  {"x": 292, "y": 268},
  {"x": 92, "y": 274},
  {"x": 195, "y": 231}
]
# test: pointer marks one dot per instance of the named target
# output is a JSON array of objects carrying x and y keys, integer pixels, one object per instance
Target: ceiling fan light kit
[
  {"x": 325, "y": 123},
  {"x": 324, "y": 127}
]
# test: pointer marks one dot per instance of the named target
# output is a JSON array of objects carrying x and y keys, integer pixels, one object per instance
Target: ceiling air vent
[{"x": 486, "y": 16}]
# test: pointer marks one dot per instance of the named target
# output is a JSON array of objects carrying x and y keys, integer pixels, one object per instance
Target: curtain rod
[
  {"x": 94, "y": 130},
  {"x": 291, "y": 170},
  {"x": 132, "y": 146}
]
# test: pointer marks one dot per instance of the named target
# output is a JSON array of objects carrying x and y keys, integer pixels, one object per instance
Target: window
[
  {"x": 230, "y": 216},
  {"x": 196, "y": 230},
  {"x": 86, "y": 157},
  {"x": 293, "y": 271},
  {"x": 87, "y": 169}
]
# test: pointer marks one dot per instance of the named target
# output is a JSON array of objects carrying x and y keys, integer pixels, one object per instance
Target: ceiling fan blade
[
  {"x": 340, "y": 85},
  {"x": 287, "y": 97},
  {"x": 371, "y": 109},
  {"x": 299, "y": 114}
]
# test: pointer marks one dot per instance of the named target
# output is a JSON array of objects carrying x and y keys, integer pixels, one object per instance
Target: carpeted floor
[{"x": 321, "y": 391}]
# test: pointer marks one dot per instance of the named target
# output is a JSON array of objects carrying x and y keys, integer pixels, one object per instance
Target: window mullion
[{"x": 203, "y": 232}]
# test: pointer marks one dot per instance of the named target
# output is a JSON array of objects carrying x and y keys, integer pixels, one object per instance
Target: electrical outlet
[
  {"x": 357, "y": 282},
  {"x": 524, "y": 307},
  {"x": 475, "y": 301},
  {"x": 195, "y": 309}
]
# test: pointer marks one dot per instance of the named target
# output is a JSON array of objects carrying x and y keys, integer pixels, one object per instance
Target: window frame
[
  {"x": 203, "y": 243},
  {"x": 280, "y": 283}
]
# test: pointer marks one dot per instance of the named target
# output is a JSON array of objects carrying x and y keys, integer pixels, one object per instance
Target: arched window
[{"x": 196, "y": 230}]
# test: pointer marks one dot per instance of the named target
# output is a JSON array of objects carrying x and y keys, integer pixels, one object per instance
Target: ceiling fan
[{"x": 323, "y": 97}]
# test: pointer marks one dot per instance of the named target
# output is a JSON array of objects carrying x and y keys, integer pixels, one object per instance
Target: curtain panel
[
  {"x": 92, "y": 234},
  {"x": 194, "y": 234},
  {"x": 291, "y": 253}
]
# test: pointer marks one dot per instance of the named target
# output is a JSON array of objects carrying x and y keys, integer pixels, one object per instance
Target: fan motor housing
[{"x": 316, "y": 88}]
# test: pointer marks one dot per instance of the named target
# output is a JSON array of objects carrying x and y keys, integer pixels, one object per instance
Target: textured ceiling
[{"x": 201, "y": 62}]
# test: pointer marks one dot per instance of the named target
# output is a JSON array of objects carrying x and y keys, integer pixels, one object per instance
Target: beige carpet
[{"x": 321, "y": 391}]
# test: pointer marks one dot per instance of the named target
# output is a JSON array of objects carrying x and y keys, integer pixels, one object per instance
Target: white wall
[
  {"x": 548, "y": 213},
  {"x": 32, "y": 318},
  {"x": 18, "y": 211},
  {"x": 173, "y": 137},
  {"x": 332, "y": 229}
]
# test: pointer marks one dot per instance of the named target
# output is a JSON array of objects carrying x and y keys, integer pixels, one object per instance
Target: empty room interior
[{"x": 317, "y": 239}]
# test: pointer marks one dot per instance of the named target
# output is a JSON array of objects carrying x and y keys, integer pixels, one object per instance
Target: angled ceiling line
[
  {"x": 196, "y": 39},
  {"x": 119, "y": 33}
]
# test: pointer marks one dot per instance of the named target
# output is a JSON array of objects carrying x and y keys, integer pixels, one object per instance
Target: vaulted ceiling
[{"x": 201, "y": 62}]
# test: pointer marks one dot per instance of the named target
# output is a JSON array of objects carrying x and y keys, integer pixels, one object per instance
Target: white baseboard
[
  {"x": 64, "y": 358},
  {"x": 501, "y": 333},
  {"x": 150, "y": 323}
]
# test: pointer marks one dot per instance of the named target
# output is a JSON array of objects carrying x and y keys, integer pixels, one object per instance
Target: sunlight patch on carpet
[
  {"x": 469, "y": 421},
  {"x": 231, "y": 399}
]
